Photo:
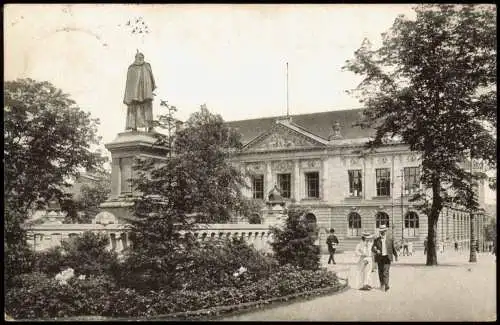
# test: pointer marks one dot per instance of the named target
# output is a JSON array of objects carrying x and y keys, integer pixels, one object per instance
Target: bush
[
  {"x": 36, "y": 295},
  {"x": 294, "y": 243},
  {"x": 86, "y": 254},
  {"x": 212, "y": 264}
]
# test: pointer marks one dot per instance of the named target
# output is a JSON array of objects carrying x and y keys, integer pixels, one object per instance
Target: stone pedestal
[{"x": 124, "y": 149}]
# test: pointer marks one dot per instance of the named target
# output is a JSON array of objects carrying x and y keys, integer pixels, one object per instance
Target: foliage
[
  {"x": 490, "y": 230},
  {"x": 294, "y": 243},
  {"x": 81, "y": 207},
  {"x": 433, "y": 78},
  {"x": 86, "y": 254},
  {"x": 195, "y": 182},
  {"x": 38, "y": 296},
  {"x": 212, "y": 264},
  {"x": 251, "y": 209},
  {"x": 47, "y": 139}
]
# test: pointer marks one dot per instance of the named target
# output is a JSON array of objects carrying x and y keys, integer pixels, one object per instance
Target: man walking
[
  {"x": 332, "y": 242},
  {"x": 384, "y": 249}
]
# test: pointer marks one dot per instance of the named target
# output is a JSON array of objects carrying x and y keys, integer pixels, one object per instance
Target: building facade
[{"x": 319, "y": 162}]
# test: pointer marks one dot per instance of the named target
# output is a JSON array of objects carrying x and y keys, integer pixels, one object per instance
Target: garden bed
[{"x": 219, "y": 312}]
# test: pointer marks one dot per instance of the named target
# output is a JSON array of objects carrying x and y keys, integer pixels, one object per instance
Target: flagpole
[{"x": 287, "y": 98}]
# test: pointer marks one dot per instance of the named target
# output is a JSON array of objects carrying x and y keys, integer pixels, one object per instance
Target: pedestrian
[
  {"x": 456, "y": 247},
  {"x": 383, "y": 247},
  {"x": 332, "y": 242},
  {"x": 425, "y": 246},
  {"x": 405, "y": 247},
  {"x": 363, "y": 270},
  {"x": 410, "y": 248},
  {"x": 441, "y": 245}
]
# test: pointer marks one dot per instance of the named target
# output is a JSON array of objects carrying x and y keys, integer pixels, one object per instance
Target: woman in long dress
[{"x": 361, "y": 275}]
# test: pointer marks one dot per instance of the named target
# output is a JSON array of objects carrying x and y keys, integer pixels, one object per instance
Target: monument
[
  {"x": 139, "y": 94},
  {"x": 132, "y": 143}
]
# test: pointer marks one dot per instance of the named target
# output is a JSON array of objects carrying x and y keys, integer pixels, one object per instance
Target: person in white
[{"x": 365, "y": 262}]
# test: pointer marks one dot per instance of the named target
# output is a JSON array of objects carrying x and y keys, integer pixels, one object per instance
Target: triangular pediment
[{"x": 281, "y": 137}]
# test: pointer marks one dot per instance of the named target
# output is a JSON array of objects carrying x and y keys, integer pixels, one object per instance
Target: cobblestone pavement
[{"x": 455, "y": 290}]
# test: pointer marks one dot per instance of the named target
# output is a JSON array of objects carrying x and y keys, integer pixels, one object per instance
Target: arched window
[
  {"x": 381, "y": 218},
  {"x": 411, "y": 224},
  {"x": 354, "y": 220}
]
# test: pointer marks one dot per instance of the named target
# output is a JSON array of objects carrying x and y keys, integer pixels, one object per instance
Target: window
[
  {"x": 411, "y": 224},
  {"x": 411, "y": 180},
  {"x": 312, "y": 184},
  {"x": 354, "y": 220},
  {"x": 381, "y": 218},
  {"x": 355, "y": 187},
  {"x": 258, "y": 187},
  {"x": 284, "y": 183},
  {"x": 383, "y": 181}
]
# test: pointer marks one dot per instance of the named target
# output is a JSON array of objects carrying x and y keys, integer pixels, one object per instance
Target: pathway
[{"x": 455, "y": 290}]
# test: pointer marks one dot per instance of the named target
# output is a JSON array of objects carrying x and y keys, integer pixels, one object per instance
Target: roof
[{"x": 319, "y": 124}]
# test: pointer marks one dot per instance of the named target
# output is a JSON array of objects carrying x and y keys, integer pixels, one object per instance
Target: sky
[{"x": 230, "y": 57}]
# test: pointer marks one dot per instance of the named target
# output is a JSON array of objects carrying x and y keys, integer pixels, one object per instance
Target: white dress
[{"x": 361, "y": 273}]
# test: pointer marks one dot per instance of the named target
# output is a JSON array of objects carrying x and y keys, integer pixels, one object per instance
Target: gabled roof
[{"x": 319, "y": 124}]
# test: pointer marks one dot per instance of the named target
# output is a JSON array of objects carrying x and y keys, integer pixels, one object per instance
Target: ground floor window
[
  {"x": 411, "y": 224},
  {"x": 354, "y": 227},
  {"x": 381, "y": 218}
]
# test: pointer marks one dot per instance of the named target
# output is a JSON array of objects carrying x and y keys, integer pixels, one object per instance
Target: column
[
  {"x": 268, "y": 179},
  {"x": 296, "y": 181},
  {"x": 324, "y": 177}
]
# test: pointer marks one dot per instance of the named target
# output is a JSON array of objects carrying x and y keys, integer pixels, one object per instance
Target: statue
[{"x": 139, "y": 95}]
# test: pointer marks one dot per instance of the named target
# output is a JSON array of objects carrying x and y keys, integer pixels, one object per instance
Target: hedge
[{"x": 41, "y": 297}]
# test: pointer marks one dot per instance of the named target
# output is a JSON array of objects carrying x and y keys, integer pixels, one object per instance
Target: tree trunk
[
  {"x": 432, "y": 221},
  {"x": 473, "y": 244}
]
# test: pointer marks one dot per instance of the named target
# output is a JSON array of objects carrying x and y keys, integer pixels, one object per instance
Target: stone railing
[{"x": 45, "y": 236}]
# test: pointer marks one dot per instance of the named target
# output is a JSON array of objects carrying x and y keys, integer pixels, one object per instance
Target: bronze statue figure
[{"x": 139, "y": 94}]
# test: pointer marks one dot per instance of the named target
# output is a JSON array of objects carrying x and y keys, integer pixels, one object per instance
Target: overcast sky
[{"x": 231, "y": 57}]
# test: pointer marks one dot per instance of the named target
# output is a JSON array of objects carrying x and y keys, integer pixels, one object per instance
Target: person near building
[
  {"x": 425, "y": 246},
  {"x": 332, "y": 243},
  {"x": 384, "y": 249},
  {"x": 456, "y": 247},
  {"x": 361, "y": 277},
  {"x": 410, "y": 248},
  {"x": 405, "y": 247}
]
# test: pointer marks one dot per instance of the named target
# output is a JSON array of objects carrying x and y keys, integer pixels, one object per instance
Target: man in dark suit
[
  {"x": 383, "y": 248},
  {"x": 332, "y": 242}
]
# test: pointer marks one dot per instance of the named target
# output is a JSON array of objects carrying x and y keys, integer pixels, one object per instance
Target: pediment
[{"x": 281, "y": 137}]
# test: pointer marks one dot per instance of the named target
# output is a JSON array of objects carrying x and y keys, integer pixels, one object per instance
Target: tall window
[
  {"x": 411, "y": 224},
  {"x": 355, "y": 187},
  {"x": 354, "y": 220},
  {"x": 381, "y": 218},
  {"x": 258, "y": 186},
  {"x": 383, "y": 181},
  {"x": 312, "y": 184},
  {"x": 284, "y": 182},
  {"x": 411, "y": 180}
]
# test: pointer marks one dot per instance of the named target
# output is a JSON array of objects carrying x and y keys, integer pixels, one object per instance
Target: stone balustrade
[{"x": 45, "y": 236}]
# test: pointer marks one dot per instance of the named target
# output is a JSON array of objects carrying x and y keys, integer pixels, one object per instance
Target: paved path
[{"x": 455, "y": 290}]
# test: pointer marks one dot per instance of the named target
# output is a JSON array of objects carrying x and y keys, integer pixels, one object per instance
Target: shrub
[
  {"x": 211, "y": 265},
  {"x": 86, "y": 254},
  {"x": 294, "y": 243},
  {"x": 36, "y": 295}
]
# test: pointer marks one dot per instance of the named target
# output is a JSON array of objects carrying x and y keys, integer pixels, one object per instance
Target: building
[{"x": 319, "y": 162}]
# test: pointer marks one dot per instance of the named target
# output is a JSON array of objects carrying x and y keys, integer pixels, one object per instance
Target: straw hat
[
  {"x": 366, "y": 234},
  {"x": 382, "y": 228}
]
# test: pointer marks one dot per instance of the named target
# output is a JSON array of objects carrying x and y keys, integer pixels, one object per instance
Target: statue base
[{"x": 124, "y": 149}]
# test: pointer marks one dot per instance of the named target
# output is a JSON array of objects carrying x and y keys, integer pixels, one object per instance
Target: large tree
[
  {"x": 432, "y": 85},
  {"x": 47, "y": 140},
  {"x": 195, "y": 182}
]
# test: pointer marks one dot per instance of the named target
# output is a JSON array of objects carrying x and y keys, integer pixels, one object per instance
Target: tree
[
  {"x": 88, "y": 200},
  {"x": 47, "y": 139},
  {"x": 195, "y": 182},
  {"x": 294, "y": 244},
  {"x": 432, "y": 85}
]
